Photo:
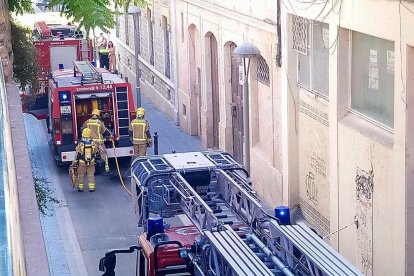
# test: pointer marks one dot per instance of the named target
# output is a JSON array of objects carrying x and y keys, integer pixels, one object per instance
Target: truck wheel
[
  {"x": 59, "y": 163},
  {"x": 125, "y": 159}
]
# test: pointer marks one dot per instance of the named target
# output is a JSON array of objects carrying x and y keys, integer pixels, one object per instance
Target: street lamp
[
  {"x": 246, "y": 51},
  {"x": 135, "y": 11}
]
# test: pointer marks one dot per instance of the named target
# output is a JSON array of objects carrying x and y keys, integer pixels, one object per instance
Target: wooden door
[{"x": 237, "y": 107}]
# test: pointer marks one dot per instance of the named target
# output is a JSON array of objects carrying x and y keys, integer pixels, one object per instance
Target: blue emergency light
[
  {"x": 155, "y": 225},
  {"x": 283, "y": 214},
  {"x": 64, "y": 97}
]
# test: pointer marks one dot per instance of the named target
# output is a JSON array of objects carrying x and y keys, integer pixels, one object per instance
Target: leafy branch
[
  {"x": 92, "y": 14},
  {"x": 25, "y": 65},
  {"x": 42, "y": 190}
]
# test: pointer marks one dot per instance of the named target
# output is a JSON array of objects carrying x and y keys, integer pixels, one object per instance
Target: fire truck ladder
[
  {"x": 89, "y": 73},
  {"x": 239, "y": 235},
  {"x": 85, "y": 49}
]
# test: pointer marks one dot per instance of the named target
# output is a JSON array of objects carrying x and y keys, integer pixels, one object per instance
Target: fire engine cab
[
  {"x": 56, "y": 46},
  {"x": 73, "y": 94}
]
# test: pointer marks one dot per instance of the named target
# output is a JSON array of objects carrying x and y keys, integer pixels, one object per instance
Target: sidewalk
[
  {"x": 74, "y": 244},
  {"x": 171, "y": 136}
]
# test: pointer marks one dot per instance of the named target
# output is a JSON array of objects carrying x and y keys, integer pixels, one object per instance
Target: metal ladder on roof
[
  {"x": 88, "y": 73},
  {"x": 226, "y": 232},
  {"x": 85, "y": 49},
  {"x": 122, "y": 106},
  {"x": 231, "y": 216}
]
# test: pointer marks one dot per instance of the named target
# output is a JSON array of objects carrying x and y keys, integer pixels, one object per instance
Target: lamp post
[
  {"x": 135, "y": 11},
  {"x": 246, "y": 51}
]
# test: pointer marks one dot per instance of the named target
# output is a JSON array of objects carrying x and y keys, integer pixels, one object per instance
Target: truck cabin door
[
  {"x": 66, "y": 118},
  {"x": 36, "y": 104}
]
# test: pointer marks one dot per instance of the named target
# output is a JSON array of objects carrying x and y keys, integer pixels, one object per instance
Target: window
[
  {"x": 262, "y": 73},
  {"x": 150, "y": 36},
  {"x": 126, "y": 29},
  {"x": 166, "y": 31},
  {"x": 311, "y": 42},
  {"x": 372, "y": 78}
]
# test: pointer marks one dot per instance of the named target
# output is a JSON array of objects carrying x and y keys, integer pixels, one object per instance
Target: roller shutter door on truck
[{"x": 62, "y": 54}]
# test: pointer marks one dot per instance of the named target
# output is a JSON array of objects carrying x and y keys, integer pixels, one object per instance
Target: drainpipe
[{"x": 174, "y": 38}]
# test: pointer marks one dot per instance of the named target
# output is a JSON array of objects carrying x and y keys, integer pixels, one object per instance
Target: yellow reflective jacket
[
  {"x": 97, "y": 127},
  {"x": 139, "y": 131}
]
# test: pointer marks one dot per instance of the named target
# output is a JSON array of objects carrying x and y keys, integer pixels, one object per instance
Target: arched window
[{"x": 262, "y": 74}]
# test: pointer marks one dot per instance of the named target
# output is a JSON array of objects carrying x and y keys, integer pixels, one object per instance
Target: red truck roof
[{"x": 65, "y": 78}]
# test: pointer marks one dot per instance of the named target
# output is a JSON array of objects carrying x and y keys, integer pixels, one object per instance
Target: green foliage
[
  {"x": 24, "y": 63},
  {"x": 126, "y": 3},
  {"x": 20, "y": 6},
  {"x": 43, "y": 192},
  {"x": 92, "y": 14}
]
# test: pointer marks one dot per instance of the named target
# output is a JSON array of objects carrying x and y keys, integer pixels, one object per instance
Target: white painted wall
[
  {"x": 376, "y": 236},
  {"x": 237, "y": 22}
]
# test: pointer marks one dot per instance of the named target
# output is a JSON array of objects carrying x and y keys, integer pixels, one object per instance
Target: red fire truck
[
  {"x": 73, "y": 93},
  {"x": 56, "y": 47}
]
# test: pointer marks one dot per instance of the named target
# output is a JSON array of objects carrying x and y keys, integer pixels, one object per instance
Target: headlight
[{"x": 66, "y": 127}]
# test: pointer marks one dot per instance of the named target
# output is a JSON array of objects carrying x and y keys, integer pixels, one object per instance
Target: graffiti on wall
[
  {"x": 311, "y": 188},
  {"x": 364, "y": 182}
]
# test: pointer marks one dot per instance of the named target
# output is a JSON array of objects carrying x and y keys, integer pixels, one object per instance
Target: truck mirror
[{"x": 107, "y": 264}]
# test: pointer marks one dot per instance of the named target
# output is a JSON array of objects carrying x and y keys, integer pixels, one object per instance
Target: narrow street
[{"x": 83, "y": 226}]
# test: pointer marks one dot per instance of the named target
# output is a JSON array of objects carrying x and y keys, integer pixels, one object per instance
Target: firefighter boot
[
  {"x": 106, "y": 165},
  {"x": 91, "y": 186},
  {"x": 80, "y": 186}
]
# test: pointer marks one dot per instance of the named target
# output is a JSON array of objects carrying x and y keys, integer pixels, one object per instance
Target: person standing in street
[
  {"x": 98, "y": 131},
  {"x": 85, "y": 156},
  {"x": 139, "y": 131},
  {"x": 112, "y": 57},
  {"x": 102, "y": 51}
]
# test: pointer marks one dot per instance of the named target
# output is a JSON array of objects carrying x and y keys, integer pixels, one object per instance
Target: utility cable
[{"x": 119, "y": 171}]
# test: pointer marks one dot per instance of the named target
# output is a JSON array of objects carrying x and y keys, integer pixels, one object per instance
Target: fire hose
[{"x": 119, "y": 171}]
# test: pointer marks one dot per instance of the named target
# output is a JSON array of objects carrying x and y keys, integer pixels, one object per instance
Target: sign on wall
[{"x": 241, "y": 74}]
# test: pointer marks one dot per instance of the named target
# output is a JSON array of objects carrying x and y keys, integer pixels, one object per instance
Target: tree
[
  {"x": 20, "y": 6},
  {"x": 93, "y": 13},
  {"x": 24, "y": 65}
]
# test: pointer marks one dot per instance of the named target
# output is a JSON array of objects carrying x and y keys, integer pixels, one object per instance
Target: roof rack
[
  {"x": 43, "y": 29},
  {"x": 89, "y": 73}
]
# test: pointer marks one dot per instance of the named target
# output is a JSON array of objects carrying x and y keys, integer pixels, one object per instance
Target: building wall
[
  {"x": 231, "y": 22},
  {"x": 365, "y": 194},
  {"x": 155, "y": 85},
  {"x": 6, "y": 53}
]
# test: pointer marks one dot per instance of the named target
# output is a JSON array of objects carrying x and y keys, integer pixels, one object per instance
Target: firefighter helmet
[
  {"x": 140, "y": 112},
  {"x": 96, "y": 112},
  {"x": 86, "y": 133}
]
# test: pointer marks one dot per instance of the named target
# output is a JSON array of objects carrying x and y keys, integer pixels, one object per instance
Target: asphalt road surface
[{"x": 84, "y": 226}]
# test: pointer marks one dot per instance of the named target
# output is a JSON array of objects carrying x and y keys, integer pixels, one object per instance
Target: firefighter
[
  {"x": 139, "y": 131},
  {"x": 99, "y": 130},
  {"x": 86, "y": 152}
]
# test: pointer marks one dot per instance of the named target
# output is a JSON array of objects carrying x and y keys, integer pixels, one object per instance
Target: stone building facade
[
  {"x": 347, "y": 82},
  {"x": 209, "y": 89},
  {"x": 6, "y": 53},
  {"x": 156, "y": 60}
]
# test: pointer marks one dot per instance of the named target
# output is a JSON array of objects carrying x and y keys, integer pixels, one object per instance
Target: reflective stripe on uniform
[
  {"x": 143, "y": 125},
  {"x": 96, "y": 124}
]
